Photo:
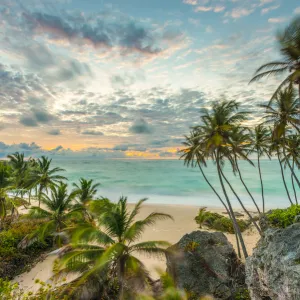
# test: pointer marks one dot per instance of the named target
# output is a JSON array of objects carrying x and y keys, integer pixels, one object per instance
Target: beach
[{"x": 167, "y": 230}]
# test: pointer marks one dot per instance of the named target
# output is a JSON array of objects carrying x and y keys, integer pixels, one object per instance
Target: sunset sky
[{"x": 127, "y": 78}]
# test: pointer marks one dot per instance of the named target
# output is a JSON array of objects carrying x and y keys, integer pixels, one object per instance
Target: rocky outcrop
[
  {"x": 273, "y": 271},
  {"x": 205, "y": 263}
]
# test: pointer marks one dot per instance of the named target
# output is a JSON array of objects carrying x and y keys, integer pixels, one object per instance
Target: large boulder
[
  {"x": 205, "y": 263},
  {"x": 273, "y": 271}
]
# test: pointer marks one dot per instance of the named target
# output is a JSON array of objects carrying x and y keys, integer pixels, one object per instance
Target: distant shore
[{"x": 168, "y": 230}]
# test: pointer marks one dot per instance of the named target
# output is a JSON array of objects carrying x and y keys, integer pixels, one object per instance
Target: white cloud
[
  {"x": 277, "y": 20},
  {"x": 297, "y": 10},
  {"x": 216, "y": 9},
  {"x": 268, "y": 9},
  {"x": 209, "y": 29},
  {"x": 190, "y": 2},
  {"x": 263, "y": 2},
  {"x": 237, "y": 13}
]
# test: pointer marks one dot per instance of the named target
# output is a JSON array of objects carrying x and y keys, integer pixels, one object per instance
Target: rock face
[
  {"x": 273, "y": 272},
  {"x": 205, "y": 263}
]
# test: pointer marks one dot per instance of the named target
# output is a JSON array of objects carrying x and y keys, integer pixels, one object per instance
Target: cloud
[
  {"x": 297, "y": 10},
  {"x": 140, "y": 127},
  {"x": 28, "y": 121},
  {"x": 42, "y": 116},
  {"x": 91, "y": 132},
  {"x": 54, "y": 132},
  {"x": 239, "y": 12},
  {"x": 103, "y": 32},
  {"x": 268, "y": 9},
  {"x": 216, "y": 9},
  {"x": 120, "y": 147},
  {"x": 190, "y": 2},
  {"x": 277, "y": 20}
]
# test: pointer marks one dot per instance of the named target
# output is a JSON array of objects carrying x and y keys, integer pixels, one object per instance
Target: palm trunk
[
  {"x": 227, "y": 210},
  {"x": 292, "y": 177},
  {"x": 40, "y": 195},
  {"x": 235, "y": 225},
  {"x": 245, "y": 186},
  {"x": 282, "y": 174},
  {"x": 288, "y": 162},
  {"x": 261, "y": 183},
  {"x": 241, "y": 203},
  {"x": 29, "y": 196}
]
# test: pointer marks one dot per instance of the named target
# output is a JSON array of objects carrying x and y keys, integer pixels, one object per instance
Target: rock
[
  {"x": 205, "y": 263},
  {"x": 273, "y": 272}
]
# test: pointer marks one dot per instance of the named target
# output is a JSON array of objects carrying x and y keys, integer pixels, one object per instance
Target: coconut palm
[
  {"x": 289, "y": 42},
  {"x": 260, "y": 144},
  {"x": 215, "y": 135},
  {"x": 108, "y": 246},
  {"x": 284, "y": 114},
  {"x": 86, "y": 192},
  {"x": 5, "y": 183},
  {"x": 45, "y": 176},
  {"x": 57, "y": 212},
  {"x": 293, "y": 154}
]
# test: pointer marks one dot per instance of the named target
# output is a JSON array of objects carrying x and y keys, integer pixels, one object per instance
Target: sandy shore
[{"x": 168, "y": 230}]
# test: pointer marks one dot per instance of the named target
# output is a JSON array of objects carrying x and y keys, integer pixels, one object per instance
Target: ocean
[{"x": 170, "y": 182}]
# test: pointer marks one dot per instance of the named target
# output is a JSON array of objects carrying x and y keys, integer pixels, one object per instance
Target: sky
[{"x": 127, "y": 79}]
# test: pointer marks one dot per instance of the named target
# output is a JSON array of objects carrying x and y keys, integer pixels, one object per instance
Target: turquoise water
[{"x": 170, "y": 182}]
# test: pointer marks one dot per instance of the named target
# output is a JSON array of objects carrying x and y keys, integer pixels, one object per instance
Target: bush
[
  {"x": 12, "y": 259},
  {"x": 219, "y": 222},
  {"x": 282, "y": 218}
]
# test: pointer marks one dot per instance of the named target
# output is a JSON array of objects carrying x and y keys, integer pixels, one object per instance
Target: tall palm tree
[
  {"x": 5, "y": 184},
  {"x": 57, "y": 212},
  {"x": 260, "y": 144},
  {"x": 283, "y": 114},
  {"x": 108, "y": 246},
  {"x": 45, "y": 176},
  {"x": 240, "y": 144},
  {"x": 289, "y": 42},
  {"x": 293, "y": 154},
  {"x": 215, "y": 135},
  {"x": 194, "y": 155}
]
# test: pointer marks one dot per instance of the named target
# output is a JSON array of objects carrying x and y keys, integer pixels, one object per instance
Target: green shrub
[
  {"x": 242, "y": 294},
  {"x": 282, "y": 218},
  {"x": 219, "y": 222}
]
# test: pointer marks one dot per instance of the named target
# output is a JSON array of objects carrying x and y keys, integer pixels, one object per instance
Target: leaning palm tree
[
  {"x": 260, "y": 144},
  {"x": 293, "y": 154},
  {"x": 45, "y": 176},
  {"x": 57, "y": 212},
  {"x": 107, "y": 248},
  {"x": 289, "y": 42},
  {"x": 284, "y": 114},
  {"x": 215, "y": 135}
]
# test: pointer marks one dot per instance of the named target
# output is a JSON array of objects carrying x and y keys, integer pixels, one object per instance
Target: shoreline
[{"x": 168, "y": 230}]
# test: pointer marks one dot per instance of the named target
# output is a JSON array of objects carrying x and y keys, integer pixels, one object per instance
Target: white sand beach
[{"x": 168, "y": 230}]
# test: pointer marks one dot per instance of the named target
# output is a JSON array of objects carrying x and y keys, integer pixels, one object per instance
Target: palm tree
[
  {"x": 282, "y": 114},
  {"x": 293, "y": 153},
  {"x": 5, "y": 184},
  {"x": 44, "y": 176},
  {"x": 215, "y": 135},
  {"x": 240, "y": 143},
  {"x": 261, "y": 142},
  {"x": 289, "y": 42},
  {"x": 108, "y": 246},
  {"x": 86, "y": 192},
  {"x": 57, "y": 213}
]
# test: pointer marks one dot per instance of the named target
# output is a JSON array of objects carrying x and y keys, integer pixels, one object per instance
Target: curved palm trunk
[
  {"x": 235, "y": 225},
  {"x": 241, "y": 203},
  {"x": 245, "y": 186},
  {"x": 261, "y": 184},
  {"x": 288, "y": 162},
  {"x": 283, "y": 178},
  {"x": 227, "y": 210},
  {"x": 292, "y": 177},
  {"x": 40, "y": 195}
]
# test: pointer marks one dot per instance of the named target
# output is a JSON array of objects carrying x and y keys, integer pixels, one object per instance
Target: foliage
[
  {"x": 13, "y": 259},
  {"x": 221, "y": 223},
  {"x": 108, "y": 245},
  {"x": 282, "y": 218}
]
